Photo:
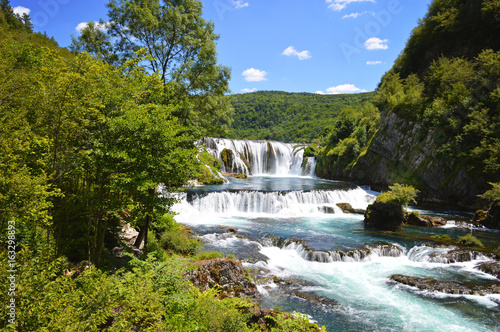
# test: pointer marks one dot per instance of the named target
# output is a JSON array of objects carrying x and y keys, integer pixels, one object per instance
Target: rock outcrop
[
  {"x": 228, "y": 274},
  {"x": 448, "y": 287},
  {"x": 490, "y": 218},
  {"x": 384, "y": 216},
  {"x": 347, "y": 208},
  {"x": 490, "y": 267},
  {"x": 425, "y": 221}
]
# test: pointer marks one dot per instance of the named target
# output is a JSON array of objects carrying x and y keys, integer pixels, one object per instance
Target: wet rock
[
  {"x": 490, "y": 267},
  {"x": 448, "y": 287},
  {"x": 316, "y": 299},
  {"x": 327, "y": 209},
  {"x": 384, "y": 216},
  {"x": 232, "y": 230},
  {"x": 455, "y": 256},
  {"x": 347, "y": 208},
  {"x": 490, "y": 218},
  {"x": 226, "y": 273},
  {"x": 424, "y": 221}
]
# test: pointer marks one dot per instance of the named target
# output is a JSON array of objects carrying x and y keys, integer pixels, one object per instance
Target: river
[{"x": 310, "y": 257}]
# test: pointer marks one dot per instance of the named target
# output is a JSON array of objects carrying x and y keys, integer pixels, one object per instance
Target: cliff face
[{"x": 406, "y": 152}]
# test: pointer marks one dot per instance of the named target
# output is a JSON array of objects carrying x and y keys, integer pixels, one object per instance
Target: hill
[
  {"x": 439, "y": 120},
  {"x": 287, "y": 117}
]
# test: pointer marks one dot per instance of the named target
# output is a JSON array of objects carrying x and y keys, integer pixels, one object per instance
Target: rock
[
  {"x": 347, "y": 208},
  {"x": 117, "y": 251},
  {"x": 491, "y": 267},
  {"x": 226, "y": 273},
  {"x": 327, "y": 209},
  {"x": 490, "y": 218},
  {"x": 137, "y": 252},
  {"x": 384, "y": 216},
  {"x": 455, "y": 256},
  {"x": 448, "y": 287},
  {"x": 424, "y": 221},
  {"x": 232, "y": 230},
  {"x": 418, "y": 220}
]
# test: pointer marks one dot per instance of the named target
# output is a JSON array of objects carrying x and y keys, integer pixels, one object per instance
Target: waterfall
[
  {"x": 281, "y": 203},
  {"x": 260, "y": 157}
]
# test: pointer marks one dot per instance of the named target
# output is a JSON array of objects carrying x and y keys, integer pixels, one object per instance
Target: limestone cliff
[{"x": 407, "y": 152}]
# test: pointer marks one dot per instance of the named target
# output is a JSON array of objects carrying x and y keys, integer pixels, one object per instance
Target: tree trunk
[{"x": 143, "y": 233}]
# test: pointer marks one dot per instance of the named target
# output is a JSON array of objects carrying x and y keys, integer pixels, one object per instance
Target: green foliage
[
  {"x": 288, "y": 117},
  {"x": 348, "y": 138},
  {"x": 399, "y": 194},
  {"x": 470, "y": 241},
  {"x": 492, "y": 195},
  {"x": 208, "y": 168},
  {"x": 284, "y": 322},
  {"x": 176, "y": 240},
  {"x": 172, "y": 40}
]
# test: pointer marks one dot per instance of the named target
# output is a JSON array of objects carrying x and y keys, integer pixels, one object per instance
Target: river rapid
[{"x": 310, "y": 257}]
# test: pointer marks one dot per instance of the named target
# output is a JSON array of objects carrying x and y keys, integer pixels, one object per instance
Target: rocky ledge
[
  {"x": 490, "y": 267},
  {"x": 347, "y": 208},
  {"x": 228, "y": 274},
  {"x": 448, "y": 287},
  {"x": 425, "y": 221}
]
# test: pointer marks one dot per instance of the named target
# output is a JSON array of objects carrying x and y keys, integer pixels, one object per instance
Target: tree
[
  {"x": 399, "y": 194},
  {"x": 492, "y": 195},
  {"x": 180, "y": 47}
]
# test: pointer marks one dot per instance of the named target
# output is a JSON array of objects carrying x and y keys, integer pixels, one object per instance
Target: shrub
[
  {"x": 177, "y": 241},
  {"x": 470, "y": 241}
]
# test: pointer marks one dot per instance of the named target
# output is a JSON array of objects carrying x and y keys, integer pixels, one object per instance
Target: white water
[
  {"x": 288, "y": 234},
  {"x": 260, "y": 157},
  {"x": 281, "y": 204}
]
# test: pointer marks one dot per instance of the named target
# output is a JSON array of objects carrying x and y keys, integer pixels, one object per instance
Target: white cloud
[
  {"x": 375, "y": 43},
  {"x": 20, "y": 10},
  {"x": 355, "y": 15},
  {"x": 302, "y": 55},
  {"x": 254, "y": 75},
  {"x": 246, "y": 90},
  {"x": 372, "y": 63},
  {"x": 83, "y": 25},
  {"x": 240, "y": 4},
  {"x": 343, "y": 88},
  {"x": 338, "y": 5}
]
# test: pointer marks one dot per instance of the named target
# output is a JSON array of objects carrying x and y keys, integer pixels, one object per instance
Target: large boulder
[
  {"x": 385, "y": 216},
  {"x": 425, "y": 221},
  {"x": 226, "y": 273},
  {"x": 347, "y": 208}
]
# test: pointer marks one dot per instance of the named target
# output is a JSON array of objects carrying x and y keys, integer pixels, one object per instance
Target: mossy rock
[{"x": 384, "y": 216}]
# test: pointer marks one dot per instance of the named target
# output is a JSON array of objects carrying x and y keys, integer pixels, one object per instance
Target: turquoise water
[{"x": 283, "y": 231}]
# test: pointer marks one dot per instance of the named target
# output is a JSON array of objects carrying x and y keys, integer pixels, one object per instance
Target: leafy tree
[
  {"x": 171, "y": 39},
  {"x": 399, "y": 194},
  {"x": 492, "y": 195}
]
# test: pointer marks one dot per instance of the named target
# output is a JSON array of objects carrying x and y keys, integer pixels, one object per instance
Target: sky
[{"x": 316, "y": 46}]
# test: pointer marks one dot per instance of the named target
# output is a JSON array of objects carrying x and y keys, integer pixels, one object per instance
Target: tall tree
[{"x": 180, "y": 47}]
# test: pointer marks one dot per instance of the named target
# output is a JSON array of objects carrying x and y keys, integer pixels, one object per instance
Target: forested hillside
[
  {"x": 287, "y": 117},
  {"x": 439, "y": 107},
  {"x": 86, "y": 139}
]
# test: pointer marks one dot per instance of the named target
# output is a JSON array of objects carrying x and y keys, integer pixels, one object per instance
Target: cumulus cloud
[
  {"x": 20, "y": 10},
  {"x": 302, "y": 55},
  {"x": 340, "y": 89},
  {"x": 372, "y": 63},
  {"x": 83, "y": 25},
  {"x": 254, "y": 75},
  {"x": 356, "y": 15},
  {"x": 246, "y": 90},
  {"x": 375, "y": 43},
  {"x": 338, "y": 5},
  {"x": 240, "y": 4}
]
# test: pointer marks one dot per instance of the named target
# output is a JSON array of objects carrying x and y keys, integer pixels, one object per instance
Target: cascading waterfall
[
  {"x": 292, "y": 203},
  {"x": 259, "y": 157}
]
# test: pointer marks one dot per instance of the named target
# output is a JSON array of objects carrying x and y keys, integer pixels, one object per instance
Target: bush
[
  {"x": 470, "y": 241},
  {"x": 177, "y": 241}
]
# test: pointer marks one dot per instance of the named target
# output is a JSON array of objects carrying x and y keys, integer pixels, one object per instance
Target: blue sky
[{"x": 318, "y": 46}]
